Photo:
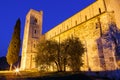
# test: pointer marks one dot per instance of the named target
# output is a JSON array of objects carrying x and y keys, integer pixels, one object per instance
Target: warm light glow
[{"x": 16, "y": 70}]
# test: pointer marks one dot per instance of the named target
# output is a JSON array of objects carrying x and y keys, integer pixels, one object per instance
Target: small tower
[{"x": 32, "y": 33}]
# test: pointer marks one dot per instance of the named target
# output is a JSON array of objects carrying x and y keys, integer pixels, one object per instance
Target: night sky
[{"x": 54, "y": 12}]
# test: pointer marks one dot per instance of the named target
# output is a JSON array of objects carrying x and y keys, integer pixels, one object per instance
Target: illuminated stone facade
[
  {"x": 94, "y": 25},
  {"x": 32, "y": 33}
]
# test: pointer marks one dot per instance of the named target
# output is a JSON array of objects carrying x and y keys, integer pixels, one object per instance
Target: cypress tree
[{"x": 14, "y": 46}]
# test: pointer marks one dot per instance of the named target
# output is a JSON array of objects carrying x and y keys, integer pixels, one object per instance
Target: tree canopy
[
  {"x": 14, "y": 46},
  {"x": 74, "y": 50},
  {"x": 67, "y": 53}
]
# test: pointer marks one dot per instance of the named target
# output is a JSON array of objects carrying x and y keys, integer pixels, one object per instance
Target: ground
[{"x": 29, "y": 75}]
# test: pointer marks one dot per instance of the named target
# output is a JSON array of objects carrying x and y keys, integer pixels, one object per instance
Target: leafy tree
[
  {"x": 48, "y": 53},
  {"x": 14, "y": 46},
  {"x": 69, "y": 53},
  {"x": 42, "y": 57},
  {"x": 64, "y": 55},
  {"x": 73, "y": 53}
]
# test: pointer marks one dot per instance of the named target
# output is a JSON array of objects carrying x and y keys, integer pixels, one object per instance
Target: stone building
[
  {"x": 32, "y": 33},
  {"x": 97, "y": 26}
]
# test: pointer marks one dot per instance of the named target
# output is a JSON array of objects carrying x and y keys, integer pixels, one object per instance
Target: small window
[
  {"x": 85, "y": 17},
  {"x": 67, "y": 27},
  {"x": 35, "y": 31},
  {"x": 75, "y": 22},
  {"x": 35, "y": 20},
  {"x": 99, "y": 10},
  {"x": 97, "y": 26},
  {"x": 111, "y": 59}
]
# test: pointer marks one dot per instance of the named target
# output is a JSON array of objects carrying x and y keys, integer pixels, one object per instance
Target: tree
[
  {"x": 63, "y": 50},
  {"x": 69, "y": 53},
  {"x": 48, "y": 53},
  {"x": 73, "y": 51},
  {"x": 14, "y": 46},
  {"x": 42, "y": 57}
]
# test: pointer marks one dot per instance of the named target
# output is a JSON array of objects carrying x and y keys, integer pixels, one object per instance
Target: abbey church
[{"x": 97, "y": 26}]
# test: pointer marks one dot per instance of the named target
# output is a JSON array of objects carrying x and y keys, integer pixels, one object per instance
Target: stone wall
[
  {"x": 89, "y": 12},
  {"x": 90, "y": 25},
  {"x": 88, "y": 32},
  {"x": 32, "y": 33}
]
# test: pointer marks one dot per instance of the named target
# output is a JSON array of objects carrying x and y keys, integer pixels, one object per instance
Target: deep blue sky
[{"x": 54, "y": 12}]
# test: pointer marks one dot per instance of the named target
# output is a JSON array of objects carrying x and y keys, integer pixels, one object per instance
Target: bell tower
[{"x": 32, "y": 33}]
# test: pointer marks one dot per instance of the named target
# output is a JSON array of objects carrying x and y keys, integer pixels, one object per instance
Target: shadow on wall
[{"x": 109, "y": 47}]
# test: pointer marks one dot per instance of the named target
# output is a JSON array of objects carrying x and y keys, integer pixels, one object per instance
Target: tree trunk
[
  {"x": 59, "y": 62},
  {"x": 11, "y": 67},
  {"x": 57, "y": 66},
  {"x": 64, "y": 64}
]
